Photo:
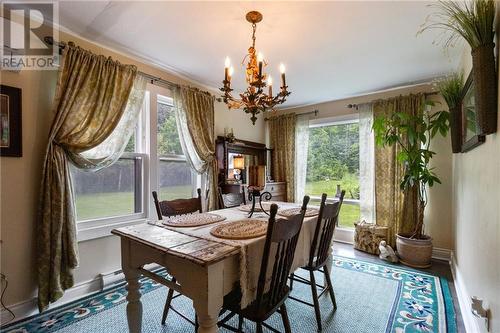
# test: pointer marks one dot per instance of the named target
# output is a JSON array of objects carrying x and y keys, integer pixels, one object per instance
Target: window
[
  {"x": 333, "y": 163},
  {"x": 175, "y": 178},
  {"x": 122, "y": 192}
]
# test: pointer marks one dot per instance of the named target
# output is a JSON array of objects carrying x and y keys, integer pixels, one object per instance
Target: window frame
[{"x": 342, "y": 234}]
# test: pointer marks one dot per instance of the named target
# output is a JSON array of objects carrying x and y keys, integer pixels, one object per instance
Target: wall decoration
[
  {"x": 10, "y": 122},
  {"x": 472, "y": 135}
]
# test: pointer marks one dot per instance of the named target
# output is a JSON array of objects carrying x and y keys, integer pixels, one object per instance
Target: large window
[
  {"x": 122, "y": 192},
  {"x": 333, "y": 164}
]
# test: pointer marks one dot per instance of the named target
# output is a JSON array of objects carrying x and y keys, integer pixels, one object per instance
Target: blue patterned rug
[{"x": 371, "y": 298}]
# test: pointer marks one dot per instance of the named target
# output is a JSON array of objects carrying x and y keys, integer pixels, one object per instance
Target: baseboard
[
  {"x": 30, "y": 307},
  {"x": 441, "y": 254},
  {"x": 103, "y": 281},
  {"x": 464, "y": 298}
]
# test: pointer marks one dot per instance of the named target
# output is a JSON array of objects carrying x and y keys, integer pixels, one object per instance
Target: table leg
[
  {"x": 134, "y": 306},
  {"x": 132, "y": 275},
  {"x": 208, "y": 302}
]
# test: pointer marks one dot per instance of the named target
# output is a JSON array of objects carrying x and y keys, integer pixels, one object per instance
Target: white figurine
[{"x": 386, "y": 252}]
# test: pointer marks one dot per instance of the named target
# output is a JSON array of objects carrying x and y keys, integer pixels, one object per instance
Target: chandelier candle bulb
[
  {"x": 270, "y": 84},
  {"x": 260, "y": 60},
  {"x": 231, "y": 72},
  {"x": 282, "y": 70},
  {"x": 227, "y": 63}
]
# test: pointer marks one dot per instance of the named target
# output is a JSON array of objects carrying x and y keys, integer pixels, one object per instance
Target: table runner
[{"x": 251, "y": 250}]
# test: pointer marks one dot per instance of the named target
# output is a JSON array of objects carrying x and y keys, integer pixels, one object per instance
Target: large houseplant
[
  {"x": 413, "y": 134},
  {"x": 474, "y": 22}
]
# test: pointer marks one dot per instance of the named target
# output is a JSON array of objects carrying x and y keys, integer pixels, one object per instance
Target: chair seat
[{"x": 253, "y": 312}]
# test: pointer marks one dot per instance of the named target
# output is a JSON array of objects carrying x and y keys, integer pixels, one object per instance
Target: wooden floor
[{"x": 439, "y": 268}]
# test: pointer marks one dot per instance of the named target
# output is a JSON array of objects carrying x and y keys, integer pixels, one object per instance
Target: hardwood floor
[{"x": 439, "y": 268}]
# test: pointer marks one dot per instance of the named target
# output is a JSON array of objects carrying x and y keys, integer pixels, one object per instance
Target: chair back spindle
[
  {"x": 177, "y": 206},
  {"x": 323, "y": 234},
  {"x": 283, "y": 235}
]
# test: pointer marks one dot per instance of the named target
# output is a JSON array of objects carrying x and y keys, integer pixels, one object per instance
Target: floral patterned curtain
[
  {"x": 394, "y": 208},
  {"x": 91, "y": 96},
  {"x": 194, "y": 112},
  {"x": 282, "y": 141}
]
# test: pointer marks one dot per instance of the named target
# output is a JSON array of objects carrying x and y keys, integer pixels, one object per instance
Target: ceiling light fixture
[{"x": 254, "y": 99}]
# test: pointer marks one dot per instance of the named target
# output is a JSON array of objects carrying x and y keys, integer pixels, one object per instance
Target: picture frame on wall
[
  {"x": 11, "y": 140},
  {"x": 472, "y": 135}
]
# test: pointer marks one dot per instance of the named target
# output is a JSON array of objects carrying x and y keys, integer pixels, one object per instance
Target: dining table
[{"x": 205, "y": 267}]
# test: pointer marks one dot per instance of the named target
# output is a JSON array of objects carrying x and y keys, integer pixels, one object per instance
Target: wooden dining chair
[
  {"x": 170, "y": 208},
  {"x": 177, "y": 206},
  {"x": 282, "y": 234},
  {"x": 318, "y": 254},
  {"x": 230, "y": 200}
]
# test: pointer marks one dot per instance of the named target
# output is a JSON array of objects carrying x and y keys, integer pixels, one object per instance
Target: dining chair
[
  {"x": 318, "y": 255},
  {"x": 282, "y": 235},
  {"x": 178, "y": 206},
  {"x": 230, "y": 200},
  {"x": 170, "y": 208}
]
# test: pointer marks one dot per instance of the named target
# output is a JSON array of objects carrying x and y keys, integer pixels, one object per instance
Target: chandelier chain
[{"x": 254, "y": 27}]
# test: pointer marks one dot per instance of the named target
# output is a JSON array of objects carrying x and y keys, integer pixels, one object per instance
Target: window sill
[{"x": 86, "y": 233}]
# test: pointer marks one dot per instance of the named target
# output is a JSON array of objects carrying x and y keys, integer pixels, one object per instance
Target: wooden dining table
[{"x": 205, "y": 268}]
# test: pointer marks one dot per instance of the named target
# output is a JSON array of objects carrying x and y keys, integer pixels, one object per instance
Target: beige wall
[
  {"x": 476, "y": 217},
  {"x": 438, "y": 218},
  {"x": 20, "y": 179}
]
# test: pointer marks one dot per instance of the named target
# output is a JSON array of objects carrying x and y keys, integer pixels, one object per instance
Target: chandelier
[{"x": 254, "y": 99}]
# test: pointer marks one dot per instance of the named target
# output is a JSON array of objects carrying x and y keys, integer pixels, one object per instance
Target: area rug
[{"x": 371, "y": 297}]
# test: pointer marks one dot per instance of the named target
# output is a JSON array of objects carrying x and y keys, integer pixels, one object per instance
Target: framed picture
[
  {"x": 11, "y": 139},
  {"x": 471, "y": 132}
]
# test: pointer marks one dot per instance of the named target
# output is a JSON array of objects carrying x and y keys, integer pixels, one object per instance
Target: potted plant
[
  {"x": 473, "y": 21},
  {"x": 451, "y": 89},
  {"x": 413, "y": 134}
]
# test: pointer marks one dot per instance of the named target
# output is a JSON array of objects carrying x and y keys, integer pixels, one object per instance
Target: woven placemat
[
  {"x": 241, "y": 229},
  {"x": 248, "y": 207},
  {"x": 192, "y": 220},
  {"x": 294, "y": 211}
]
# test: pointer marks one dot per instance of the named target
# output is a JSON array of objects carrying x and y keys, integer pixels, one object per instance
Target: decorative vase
[
  {"x": 414, "y": 252},
  {"x": 485, "y": 87},
  {"x": 456, "y": 128}
]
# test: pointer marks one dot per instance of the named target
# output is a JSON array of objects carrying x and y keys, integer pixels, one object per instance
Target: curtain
[
  {"x": 366, "y": 164},
  {"x": 110, "y": 150},
  {"x": 194, "y": 112},
  {"x": 301, "y": 149},
  {"x": 282, "y": 141},
  {"x": 395, "y": 209},
  {"x": 91, "y": 96}
]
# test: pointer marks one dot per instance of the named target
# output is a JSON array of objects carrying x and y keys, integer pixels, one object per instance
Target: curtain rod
[
  {"x": 315, "y": 112},
  {"x": 156, "y": 80},
  {"x": 355, "y": 106}
]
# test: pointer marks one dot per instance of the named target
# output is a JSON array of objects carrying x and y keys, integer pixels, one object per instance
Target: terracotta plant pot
[
  {"x": 414, "y": 252},
  {"x": 485, "y": 87},
  {"x": 456, "y": 129}
]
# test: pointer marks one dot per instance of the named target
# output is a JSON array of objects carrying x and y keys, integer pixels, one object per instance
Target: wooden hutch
[{"x": 254, "y": 154}]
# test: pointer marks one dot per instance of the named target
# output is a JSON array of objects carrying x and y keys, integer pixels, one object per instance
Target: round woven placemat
[
  {"x": 294, "y": 211},
  {"x": 192, "y": 220},
  {"x": 248, "y": 207},
  {"x": 241, "y": 229}
]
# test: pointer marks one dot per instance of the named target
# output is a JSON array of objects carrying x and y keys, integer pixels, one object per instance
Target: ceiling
[{"x": 332, "y": 50}]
